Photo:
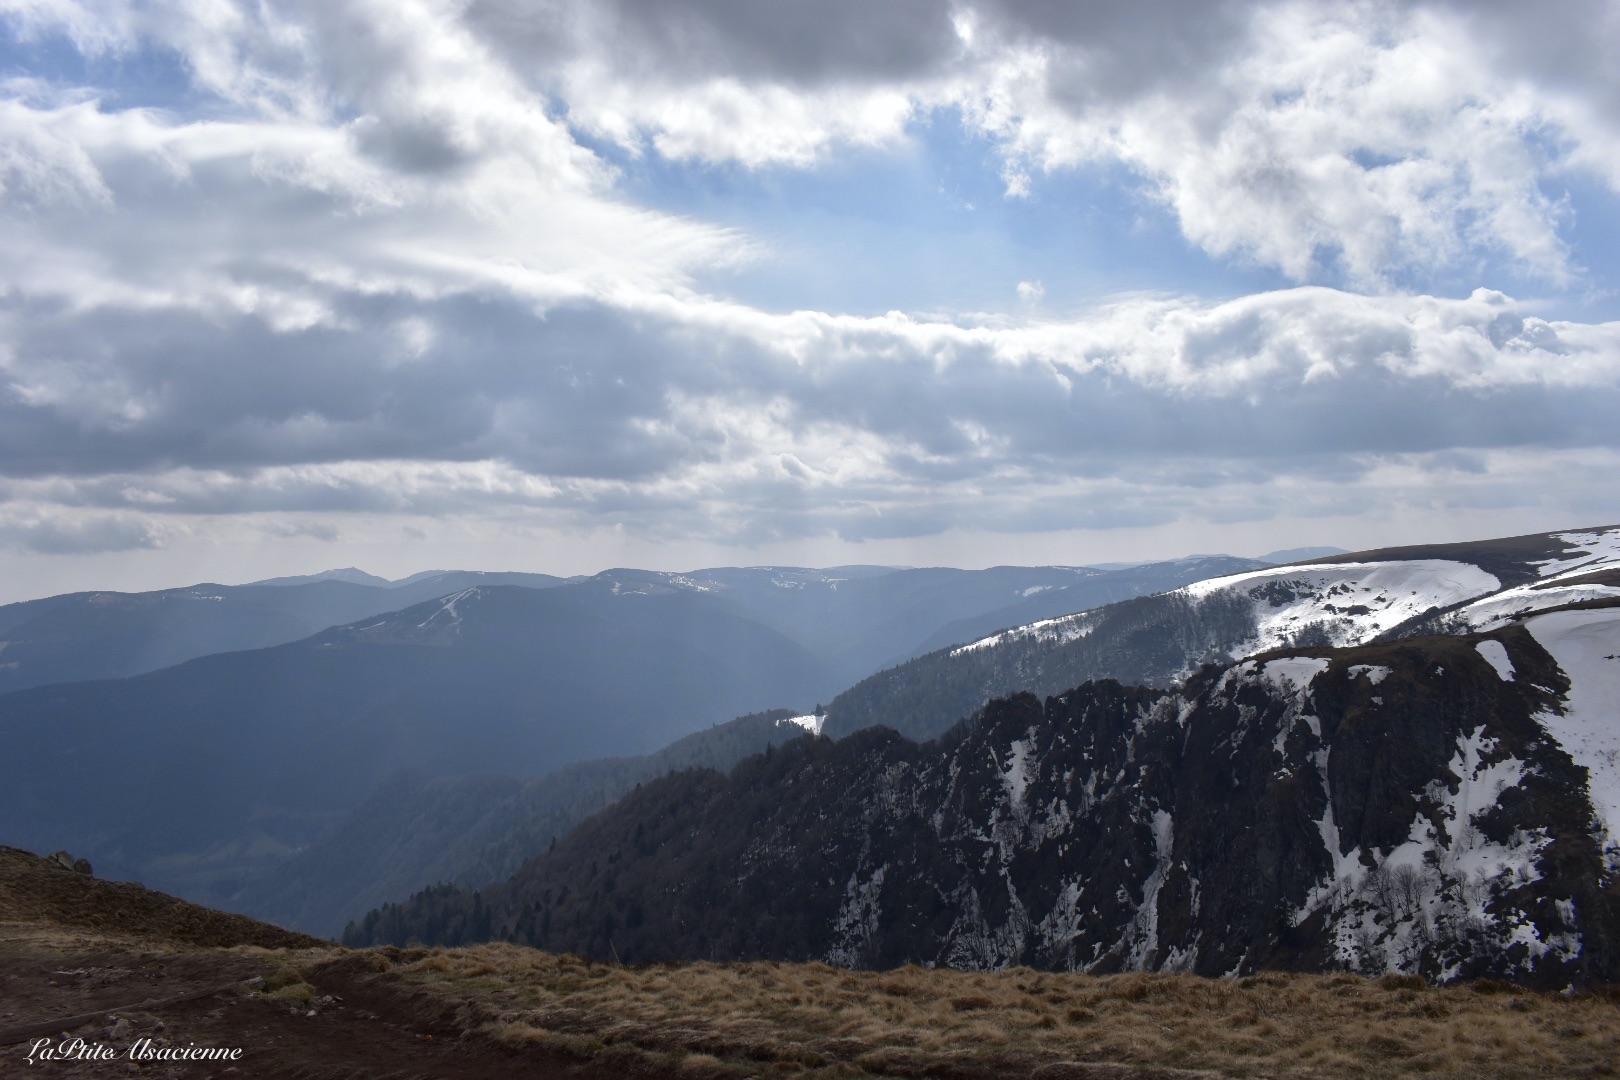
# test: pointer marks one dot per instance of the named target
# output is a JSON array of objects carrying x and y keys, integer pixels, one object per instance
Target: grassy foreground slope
[{"x": 114, "y": 964}]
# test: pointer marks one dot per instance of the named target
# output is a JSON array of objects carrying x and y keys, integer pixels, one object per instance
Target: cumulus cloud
[
  {"x": 1364, "y": 142},
  {"x": 369, "y": 263},
  {"x": 661, "y": 408}
]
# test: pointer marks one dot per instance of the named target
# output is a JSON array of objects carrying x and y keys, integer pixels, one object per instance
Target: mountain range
[
  {"x": 1422, "y": 742},
  {"x": 1357, "y": 793},
  {"x": 208, "y": 777},
  {"x": 207, "y": 768},
  {"x": 108, "y": 635}
]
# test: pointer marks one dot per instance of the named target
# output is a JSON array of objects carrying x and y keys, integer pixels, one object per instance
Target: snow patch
[
  {"x": 1373, "y": 673},
  {"x": 1496, "y": 655},
  {"x": 1512, "y": 605},
  {"x": 1060, "y": 630},
  {"x": 810, "y": 722},
  {"x": 1291, "y": 678},
  {"x": 1145, "y": 927},
  {"x": 1586, "y": 645},
  {"x": 447, "y": 617},
  {"x": 1015, "y": 777},
  {"x": 1293, "y": 673}
]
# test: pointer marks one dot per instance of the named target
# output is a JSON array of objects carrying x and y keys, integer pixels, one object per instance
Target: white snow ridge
[{"x": 1346, "y": 603}]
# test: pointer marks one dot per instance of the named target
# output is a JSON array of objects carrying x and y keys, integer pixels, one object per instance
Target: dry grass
[{"x": 808, "y": 1019}]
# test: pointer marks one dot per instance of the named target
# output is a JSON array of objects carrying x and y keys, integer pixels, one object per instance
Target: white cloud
[
  {"x": 50, "y": 530},
  {"x": 1355, "y": 142},
  {"x": 1363, "y": 142},
  {"x": 1369, "y": 139},
  {"x": 377, "y": 272}
]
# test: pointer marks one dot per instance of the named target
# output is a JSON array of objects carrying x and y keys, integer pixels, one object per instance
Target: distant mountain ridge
[
  {"x": 108, "y": 635},
  {"x": 196, "y": 774},
  {"x": 1301, "y": 554},
  {"x": 348, "y": 573},
  {"x": 857, "y": 618}
]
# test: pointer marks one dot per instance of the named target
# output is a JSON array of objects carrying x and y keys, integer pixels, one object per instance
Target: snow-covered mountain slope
[
  {"x": 1342, "y": 604},
  {"x": 1591, "y": 572},
  {"x": 1348, "y": 603},
  {"x": 1056, "y": 631},
  {"x": 1435, "y": 805},
  {"x": 1586, "y": 645},
  {"x": 1345, "y": 603},
  {"x": 1086, "y": 594},
  {"x": 1342, "y": 601}
]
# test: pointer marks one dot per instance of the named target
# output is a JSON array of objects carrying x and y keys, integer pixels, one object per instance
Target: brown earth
[
  {"x": 121, "y": 963},
  {"x": 114, "y": 964}
]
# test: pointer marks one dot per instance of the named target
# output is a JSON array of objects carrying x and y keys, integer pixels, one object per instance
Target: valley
[{"x": 475, "y": 725}]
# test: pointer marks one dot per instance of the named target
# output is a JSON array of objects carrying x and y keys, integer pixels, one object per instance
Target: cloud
[
  {"x": 377, "y": 261},
  {"x": 1361, "y": 144},
  {"x": 736, "y": 425},
  {"x": 1366, "y": 144},
  {"x": 58, "y": 533}
]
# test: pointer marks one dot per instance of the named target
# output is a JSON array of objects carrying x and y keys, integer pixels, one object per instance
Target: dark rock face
[
  {"x": 68, "y": 862},
  {"x": 1392, "y": 807}
]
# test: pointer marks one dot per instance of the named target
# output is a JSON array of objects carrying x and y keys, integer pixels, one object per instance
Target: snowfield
[
  {"x": 1350, "y": 603},
  {"x": 1586, "y": 645},
  {"x": 1511, "y": 605},
  {"x": 1600, "y": 550},
  {"x": 1496, "y": 655},
  {"x": 1560, "y": 583}
]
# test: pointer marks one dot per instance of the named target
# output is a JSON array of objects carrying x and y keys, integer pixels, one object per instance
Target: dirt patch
[{"x": 286, "y": 1027}]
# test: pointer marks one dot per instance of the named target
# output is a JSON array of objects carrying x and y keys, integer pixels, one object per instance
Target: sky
[{"x": 520, "y": 284}]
